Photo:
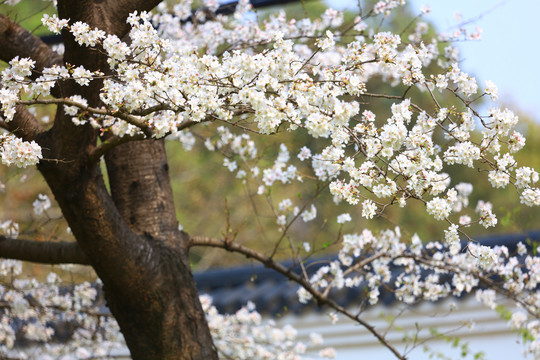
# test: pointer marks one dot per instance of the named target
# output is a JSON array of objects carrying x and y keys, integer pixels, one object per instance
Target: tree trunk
[
  {"x": 130, "y": 236},
  {"x": 147, "y": 279}
]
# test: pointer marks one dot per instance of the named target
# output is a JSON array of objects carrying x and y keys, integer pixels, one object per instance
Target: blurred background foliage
[{"x": 211, "y": 201}]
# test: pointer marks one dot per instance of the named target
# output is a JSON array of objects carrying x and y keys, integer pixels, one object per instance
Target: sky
[{"x": 508, "y": 53}]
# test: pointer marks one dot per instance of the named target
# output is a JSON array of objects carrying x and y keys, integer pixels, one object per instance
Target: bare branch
[
  {"x": 17, "y": 41},
  {"x": 111, "y": 143},
  {"x": 42, "y": 252},
  {"x": 24, "y": 124},
  {"x": 152, "y": 109},
  {"x": 287, "y": 272}
]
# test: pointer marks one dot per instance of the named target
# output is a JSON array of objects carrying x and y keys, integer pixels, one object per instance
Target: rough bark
[
  {"x": 130, "y": 236},
  {"x": 148, "y": 284},
  {"x": 139, "y": 173},
  {"x": 16, "y": 41}
]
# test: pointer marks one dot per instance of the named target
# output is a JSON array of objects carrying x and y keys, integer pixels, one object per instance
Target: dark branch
[
  {"x": 111, "y": 143},
  {"x": 24, "y": 124},
  {"x": 133, "y": 120},
  {"x": 322, "y": 299},
  {"x": 42, "y": 252},
  {"x": 17, "y": 41}
]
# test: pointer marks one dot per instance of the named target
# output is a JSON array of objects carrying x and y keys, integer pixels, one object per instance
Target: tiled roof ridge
[{"x": 231, "y": 288}]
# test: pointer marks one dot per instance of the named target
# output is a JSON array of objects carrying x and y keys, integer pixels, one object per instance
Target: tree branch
[
  {"x": 24, "y": 124},
  {"x": 321, "y": 298},
  {"x": 42, "y": 252},
  {"x": 133, "y": 120},
  {"x": 17, "y": 41},
  {"x": 111, "y": 143}
]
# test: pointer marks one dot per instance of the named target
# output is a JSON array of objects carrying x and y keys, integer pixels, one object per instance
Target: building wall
[{"x": 473, "y": 323}]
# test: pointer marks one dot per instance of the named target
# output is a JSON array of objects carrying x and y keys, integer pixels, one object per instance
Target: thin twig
[{"x": 287, "y": 272}]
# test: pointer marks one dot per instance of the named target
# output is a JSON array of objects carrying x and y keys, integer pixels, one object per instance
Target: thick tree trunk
[
  {"x": 141, "y": 190},
  {"x": 148, "y": 283}
]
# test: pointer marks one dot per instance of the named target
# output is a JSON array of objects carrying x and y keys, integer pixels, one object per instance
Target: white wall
[{"x": 489, "y": 333}]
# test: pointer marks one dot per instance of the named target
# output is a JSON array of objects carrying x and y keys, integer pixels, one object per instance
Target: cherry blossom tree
[{"x": 130, "y": 76}]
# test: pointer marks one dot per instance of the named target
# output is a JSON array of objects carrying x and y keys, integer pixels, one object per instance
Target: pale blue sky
[{"x": 509, "y": 52}]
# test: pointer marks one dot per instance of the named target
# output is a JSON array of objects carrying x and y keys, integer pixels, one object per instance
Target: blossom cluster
[
  {"x": 290, "y": 84},
  {"x": 415, "y": 272},
  {"x": 37, "y": 310},
  {"x": 244, "y": 335},
  {"x": 41, "y": 204},
  {"x": 15, "y": 151}
]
